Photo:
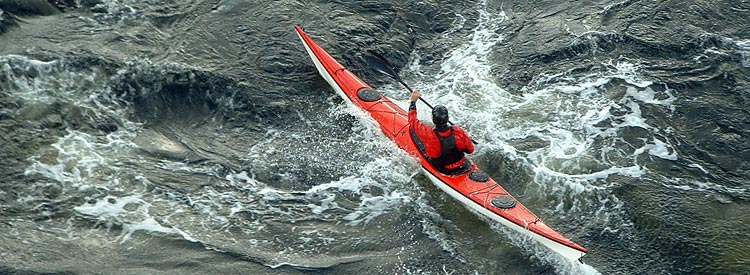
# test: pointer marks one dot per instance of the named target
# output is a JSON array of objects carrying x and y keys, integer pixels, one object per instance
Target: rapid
[{"x": 196, "y": 136}]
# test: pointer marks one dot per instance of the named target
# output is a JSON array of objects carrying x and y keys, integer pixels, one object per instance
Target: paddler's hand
[{"x": 414, "y": 96}]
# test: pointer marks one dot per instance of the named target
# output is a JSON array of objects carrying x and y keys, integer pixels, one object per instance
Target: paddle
[{"x": 379, "y": 63}]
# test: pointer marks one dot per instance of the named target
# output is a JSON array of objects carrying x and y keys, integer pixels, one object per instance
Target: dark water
[{"x": 149, "y": 137}]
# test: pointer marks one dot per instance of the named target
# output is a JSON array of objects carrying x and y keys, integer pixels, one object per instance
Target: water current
[{"x": 150, "y": 137}]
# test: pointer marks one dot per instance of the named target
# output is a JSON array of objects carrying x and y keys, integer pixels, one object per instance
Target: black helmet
[{"x": 440, "y": 115}]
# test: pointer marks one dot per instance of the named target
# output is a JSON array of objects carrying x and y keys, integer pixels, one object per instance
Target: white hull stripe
[{"x": 561, "y": 249}]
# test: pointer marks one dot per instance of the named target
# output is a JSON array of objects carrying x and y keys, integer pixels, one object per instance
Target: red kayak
[{"x": 474, "y": 189}]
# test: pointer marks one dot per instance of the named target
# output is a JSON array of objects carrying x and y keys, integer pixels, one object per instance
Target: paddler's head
[{"x": 440, "y": 115}]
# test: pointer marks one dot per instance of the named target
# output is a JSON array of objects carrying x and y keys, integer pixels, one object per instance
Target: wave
[
  {"x": 708, "y": 52},
  {"x": 166, "y": 165},
  {"x": 7, "y": 21},
  {"x": 254, "y": 159}
]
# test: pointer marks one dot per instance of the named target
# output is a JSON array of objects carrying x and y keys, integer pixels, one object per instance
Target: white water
[
  {"x": 745, "y": 50},
  {"x": 87, "y": 166},
  {"x": 377, "y": 182},
  {"x": 119, "y": 196},
  {"x": 104, "y": 168},
  {"x": 731, "y": 46},
  {"x": 579, "y": 119},
  {"x": 565, "y": 111},
  {"x": 87, "y": 163},
  {"x": 497, "y": 118}
]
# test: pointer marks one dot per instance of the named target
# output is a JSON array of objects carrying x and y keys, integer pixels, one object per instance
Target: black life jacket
[{"x": 449, "y": 153}]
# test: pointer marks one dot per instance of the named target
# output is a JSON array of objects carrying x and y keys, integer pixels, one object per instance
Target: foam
[
  {"x": 699, "y": 167},
  {"x": 85, "y": 164},
  {"x": 729, "y": 47},
  {"x": 225, "y": 6},
  {"x": 566, "y": 142},
  {"x": 561, "y": 264},
  {"x": 372, "y": 186},
  {"x": 34, "y": 89},
  {"x": 111, "y": 210},
  {"x": 241, "y": 177},
  {"x": 633, "y": 171},
  {"x": 48, "y": 82},
  {"x": 120, "y": 10},
  {"x": 648, "y": 95},
  {"x": 745, "y": 52},
  {"x": 662, "y": 150},
  {"x": 77, "y": 161},
  {"x": 702, "y": 186},
  {"x": 573, "y": 140},
  {"x": 370, "y": 205}
]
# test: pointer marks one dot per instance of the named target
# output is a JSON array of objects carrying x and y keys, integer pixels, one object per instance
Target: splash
[{"x": 561, "y": 264}]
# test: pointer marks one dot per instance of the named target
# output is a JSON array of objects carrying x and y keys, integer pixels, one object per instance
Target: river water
[{"x": 150, "y": 137}]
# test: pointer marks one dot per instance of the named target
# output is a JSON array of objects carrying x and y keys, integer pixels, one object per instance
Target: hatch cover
[
  {"x": 367, "y": 94},
  {"x": 479, "y": 176},
  {"x": 503, "y": 202}
]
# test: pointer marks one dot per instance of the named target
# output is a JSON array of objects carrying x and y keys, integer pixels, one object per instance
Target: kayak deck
[{"x": 393, "y": 122}]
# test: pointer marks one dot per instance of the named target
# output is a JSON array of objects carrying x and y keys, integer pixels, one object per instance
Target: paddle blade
[{"x": 379, "y": 63}]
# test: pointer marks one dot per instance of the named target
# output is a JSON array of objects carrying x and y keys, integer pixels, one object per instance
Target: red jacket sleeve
[
  {"x": 413, "y": 121},
  {"x": 419, "y": 126},
  {"x": 422, "y": 129},
  {"x": 424, "y": 132},
  {"x": 463, "y": 141}
]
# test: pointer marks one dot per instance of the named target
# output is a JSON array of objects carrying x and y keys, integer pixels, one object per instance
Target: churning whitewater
[{"x": 197, "y": 136}]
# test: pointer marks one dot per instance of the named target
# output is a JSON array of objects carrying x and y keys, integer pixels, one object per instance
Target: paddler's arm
[
  {"x": 466, "y": 141},
  {"x": 413, "y": 98},
  {"x": 413, "y": 121},
  {"x": 422, "y": 131}
]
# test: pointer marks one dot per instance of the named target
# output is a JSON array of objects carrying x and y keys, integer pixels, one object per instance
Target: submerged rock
[{"x": 159, "y": 145}]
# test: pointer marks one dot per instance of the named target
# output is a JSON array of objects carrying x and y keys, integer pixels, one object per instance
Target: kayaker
[{"x": 444, "y": 146}]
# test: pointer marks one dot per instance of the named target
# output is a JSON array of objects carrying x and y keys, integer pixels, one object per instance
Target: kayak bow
[{"x": 474, "y": 189}]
